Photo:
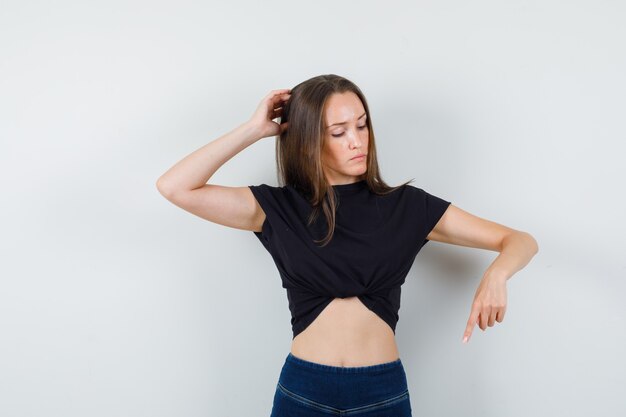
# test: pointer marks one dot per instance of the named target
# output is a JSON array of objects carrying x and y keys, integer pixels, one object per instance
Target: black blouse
[{"x": 375, "y": 242}]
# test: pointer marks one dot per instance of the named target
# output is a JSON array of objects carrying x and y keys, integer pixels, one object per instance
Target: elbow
[
  {"x": 532, "y": 243},
  {"x": 163, "y": 189},
  {"x": 524, "y": 238},
  {"x": 159, "y": 185}
]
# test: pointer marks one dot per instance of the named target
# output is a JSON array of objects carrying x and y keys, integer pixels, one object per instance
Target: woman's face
[{"x": 346, "y": 135}]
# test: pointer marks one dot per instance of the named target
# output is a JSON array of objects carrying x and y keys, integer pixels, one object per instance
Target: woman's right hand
[{"x": 270, "y": 108}]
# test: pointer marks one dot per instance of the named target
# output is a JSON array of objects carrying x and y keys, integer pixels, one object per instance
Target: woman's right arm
[{"x": 185, "y": 183}]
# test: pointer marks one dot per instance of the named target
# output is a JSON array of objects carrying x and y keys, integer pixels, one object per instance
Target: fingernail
[{"x": 465, "y": 339}]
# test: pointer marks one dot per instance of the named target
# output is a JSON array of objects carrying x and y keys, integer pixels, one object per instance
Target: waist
[
  {"x": 352, "y": 390},
  {"x": 346, "y": 334}
]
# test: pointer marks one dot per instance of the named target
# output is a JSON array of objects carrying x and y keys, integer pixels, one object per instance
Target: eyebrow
[{"x": 343, "y": 123}]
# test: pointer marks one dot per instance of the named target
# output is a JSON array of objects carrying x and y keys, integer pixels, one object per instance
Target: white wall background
[{"x": 114, "y": 302}]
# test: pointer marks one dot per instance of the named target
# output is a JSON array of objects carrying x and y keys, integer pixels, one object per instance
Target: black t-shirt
[{"x": 375, "y": 242}]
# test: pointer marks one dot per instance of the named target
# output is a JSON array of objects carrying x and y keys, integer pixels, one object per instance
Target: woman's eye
[{"x": 341, "y": 134}]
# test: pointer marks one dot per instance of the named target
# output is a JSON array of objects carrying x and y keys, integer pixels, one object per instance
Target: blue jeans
[{"x": 309, "y": 389}]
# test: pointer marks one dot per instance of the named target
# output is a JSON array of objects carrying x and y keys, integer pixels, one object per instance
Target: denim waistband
[
  {"x": 389, "y": 366},
  {"x": 343, "y": 387}
]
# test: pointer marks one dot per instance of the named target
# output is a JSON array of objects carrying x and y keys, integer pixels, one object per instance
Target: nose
[{"x": 355, "y": 142}]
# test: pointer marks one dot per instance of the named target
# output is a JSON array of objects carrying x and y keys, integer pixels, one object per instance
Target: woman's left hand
[{"x": 489, "y": 305}]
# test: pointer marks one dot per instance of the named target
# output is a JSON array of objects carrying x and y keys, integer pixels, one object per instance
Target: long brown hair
[{"x": 299, "y": 147}]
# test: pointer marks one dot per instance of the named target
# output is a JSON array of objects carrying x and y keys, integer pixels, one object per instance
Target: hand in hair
[{"x": 270, "y": 108}]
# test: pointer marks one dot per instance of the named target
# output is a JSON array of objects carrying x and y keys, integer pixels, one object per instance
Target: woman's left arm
[{"x": 516, "y": 248}]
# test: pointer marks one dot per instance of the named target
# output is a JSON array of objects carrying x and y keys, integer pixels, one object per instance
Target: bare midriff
[{"x": 346, "y": 333}]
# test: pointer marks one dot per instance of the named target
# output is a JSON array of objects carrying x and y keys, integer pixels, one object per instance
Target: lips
[{"x": 358, "y": 156}]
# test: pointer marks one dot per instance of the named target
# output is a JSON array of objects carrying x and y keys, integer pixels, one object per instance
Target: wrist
[
  {"x": 250, "y": 131},
  {"x": 497, "y": 275}
]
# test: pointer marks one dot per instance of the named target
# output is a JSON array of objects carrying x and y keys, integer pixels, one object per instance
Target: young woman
[{"x": 343, "y": 242}]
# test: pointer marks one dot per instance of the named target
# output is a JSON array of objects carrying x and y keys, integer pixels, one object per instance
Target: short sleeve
[
  {"x": 269, "y": 199},
  {"x": 430, "y": 209}
]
